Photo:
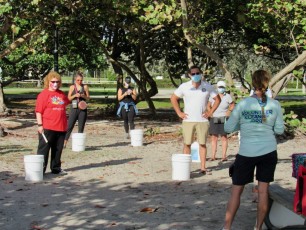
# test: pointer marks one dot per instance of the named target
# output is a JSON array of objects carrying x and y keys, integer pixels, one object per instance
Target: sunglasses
[
  {"x": 195, "y": 73},
  {"x": 55, "y": 82},
  {"x": 79, "y": 80}
]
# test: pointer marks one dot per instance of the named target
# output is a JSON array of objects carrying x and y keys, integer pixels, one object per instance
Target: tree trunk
[
  {"x": 2, "y": 103},
  {"x": 227, "y": 74},
  {"x": 299, "y": 61},
  {"x": 280, "y": 85},
  {"x": 145, "y": 76}
]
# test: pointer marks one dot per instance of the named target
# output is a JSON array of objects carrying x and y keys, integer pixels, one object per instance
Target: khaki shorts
[{"x": 189, "y": 128}]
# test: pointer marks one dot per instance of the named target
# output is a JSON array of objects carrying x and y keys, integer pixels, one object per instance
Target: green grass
[{"x": 298, "y": 107}]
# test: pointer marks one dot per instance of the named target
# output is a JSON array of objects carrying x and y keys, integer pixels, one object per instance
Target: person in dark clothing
[
  {"x": 78, "y": 94},
  {"x": 127, "y": 108}
]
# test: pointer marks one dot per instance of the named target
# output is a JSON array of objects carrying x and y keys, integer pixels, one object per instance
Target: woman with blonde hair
[
  {"x": 258, "y": 118},
  {"x": 51, "y": 121},
  {"x": 78, "y": 94}
]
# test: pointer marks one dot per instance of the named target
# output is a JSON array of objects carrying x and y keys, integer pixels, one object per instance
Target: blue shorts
[{"x": 244, "y": 168}]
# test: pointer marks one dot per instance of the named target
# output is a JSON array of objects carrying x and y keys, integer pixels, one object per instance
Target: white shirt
[
  {"x": 221, "y": 111},
  {"x": 195, "y": 99}
]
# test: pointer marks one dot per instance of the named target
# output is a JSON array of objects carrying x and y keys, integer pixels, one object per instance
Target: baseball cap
[{"x": 221, "y": 84}]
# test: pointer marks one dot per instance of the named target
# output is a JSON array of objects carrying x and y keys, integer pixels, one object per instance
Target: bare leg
[
  {"x": 214, "y": 140},
  {"x": 203, "y": 151},
  {"x": 224, "y": 146},
  {"x": 187, "y": 149},
  {"x": 233, "y": 205},
  {"x": 263, "y": 203}
]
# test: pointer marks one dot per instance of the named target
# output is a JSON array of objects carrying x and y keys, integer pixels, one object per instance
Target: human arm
[
  {"x": 279, "y": 122},
  {"x": 175, "y": 103},
  {"x": 208, "y": 107},
  {"x": 217, "y": 101},
  {"x": 40, "y": 128},
  {"x": 70, "y": 96},
  {"x": 134, "y": 94},
  {"x": 230, "y": 109},
  {"x": 121, "y": 95},
  {"x": 233, "y": 123},
  {"x": 85, "y": 94}
]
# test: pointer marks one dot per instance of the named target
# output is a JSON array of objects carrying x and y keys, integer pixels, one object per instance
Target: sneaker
[{"x": 60, "y": 172}]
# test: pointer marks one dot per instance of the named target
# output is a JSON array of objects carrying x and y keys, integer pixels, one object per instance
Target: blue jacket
[{"x": 126, "y": 107}]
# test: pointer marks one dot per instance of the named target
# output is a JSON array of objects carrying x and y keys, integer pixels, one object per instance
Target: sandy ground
[{"x": 113, "y": 185}]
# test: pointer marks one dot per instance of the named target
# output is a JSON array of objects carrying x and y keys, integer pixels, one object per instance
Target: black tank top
[
  {"x": 128, "y": 98},
  {"x": 75, "y": 91}
]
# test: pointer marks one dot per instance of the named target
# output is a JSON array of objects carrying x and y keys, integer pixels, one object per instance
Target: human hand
[
  {"x": 40, "y": 129},
  {"x": 207, "y": 114},
  {"x": 183, "y": 115}
]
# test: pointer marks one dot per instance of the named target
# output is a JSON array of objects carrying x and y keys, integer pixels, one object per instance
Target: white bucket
[
  {"x": 34, "y": 165},
  {"x": 195, "y": 154},
  {"x": 136, "y": 137},
  {"x": 78, "y": 142},
  {"x": 181, "y": 166}
]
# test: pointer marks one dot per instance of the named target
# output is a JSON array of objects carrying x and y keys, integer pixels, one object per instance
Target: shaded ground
[{"x": 112, "y": 185}]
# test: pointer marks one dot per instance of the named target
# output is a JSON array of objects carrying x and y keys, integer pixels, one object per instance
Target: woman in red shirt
[{"x": 52, "y": 121}]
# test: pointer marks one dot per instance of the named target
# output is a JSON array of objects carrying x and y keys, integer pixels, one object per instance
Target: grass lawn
[{"x": 299, "y": 107}]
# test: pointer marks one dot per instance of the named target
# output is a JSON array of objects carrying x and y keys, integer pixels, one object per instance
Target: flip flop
[
  {"x": 212, "y": 159},
  {"x": 206, "y": 171},
  {"x": 224, "y": 159}
]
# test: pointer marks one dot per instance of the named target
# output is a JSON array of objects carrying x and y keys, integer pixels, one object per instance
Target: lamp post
[{"x": 55, "y": 51}]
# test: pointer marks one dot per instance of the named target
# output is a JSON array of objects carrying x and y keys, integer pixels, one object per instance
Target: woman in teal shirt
[{"x": 258, "y": 118}]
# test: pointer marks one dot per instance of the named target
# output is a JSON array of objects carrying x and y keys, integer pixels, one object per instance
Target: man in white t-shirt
[{"x": 195, "y": 94}]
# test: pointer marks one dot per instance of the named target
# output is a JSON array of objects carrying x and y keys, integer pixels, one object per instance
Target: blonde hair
[
  {"x": 78, "y": 74},
  {"x": 50, "y": 76}
]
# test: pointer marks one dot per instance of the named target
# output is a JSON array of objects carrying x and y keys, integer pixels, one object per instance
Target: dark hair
[
  {"x": 194, "y": 67},
  {"x": 260, "y": 82},
  {"x": 128, "y": 79}
]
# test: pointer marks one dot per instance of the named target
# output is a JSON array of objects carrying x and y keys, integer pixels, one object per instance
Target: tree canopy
[{"x": 130, "y": 36}]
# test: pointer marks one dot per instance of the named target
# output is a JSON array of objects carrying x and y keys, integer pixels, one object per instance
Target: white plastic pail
[
  {"x": 136, "y": 137},
  {"x": 78, "y": 142},
  {"x": 181, "y": 166},
  {"x": 195, "y": 154},
  {"x": 34, "y": 165}
]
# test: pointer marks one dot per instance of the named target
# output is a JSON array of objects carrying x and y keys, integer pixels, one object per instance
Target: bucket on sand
[
  {"x": 34, "y": 165},
  {"x": 78, "y": 142},
  {"x": 195, "y": 154},
  {"x": 181, "y": 166},
  {"x": 136, "y": 137}
]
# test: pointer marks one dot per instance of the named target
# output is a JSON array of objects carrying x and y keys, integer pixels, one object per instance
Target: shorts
[
  {"x": 244, "y": 167},
  {"x": 216, "y": 129},
  {"x": 189, "y": 128}
]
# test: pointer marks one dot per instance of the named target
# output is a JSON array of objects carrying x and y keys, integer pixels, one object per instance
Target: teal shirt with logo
[{"x": 257, "y": 137}]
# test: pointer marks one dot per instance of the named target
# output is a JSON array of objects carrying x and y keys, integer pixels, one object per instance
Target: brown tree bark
[{"x": 227, "y": 74}]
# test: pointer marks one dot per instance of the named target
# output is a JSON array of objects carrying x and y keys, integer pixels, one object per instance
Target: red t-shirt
[{"x": 52, "y": 106}]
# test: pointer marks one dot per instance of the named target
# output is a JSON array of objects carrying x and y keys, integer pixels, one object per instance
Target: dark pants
[
  {"x": 55, "y": 143},
  {"x": 76, "y": 115},
  {"x": 128, "y": 118}
]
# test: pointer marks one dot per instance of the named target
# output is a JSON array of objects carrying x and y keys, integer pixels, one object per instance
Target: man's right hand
[{"x": 183, "y": 115}]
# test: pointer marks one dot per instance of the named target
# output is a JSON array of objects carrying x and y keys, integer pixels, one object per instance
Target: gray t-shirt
[{"x": 226, "y": 100}]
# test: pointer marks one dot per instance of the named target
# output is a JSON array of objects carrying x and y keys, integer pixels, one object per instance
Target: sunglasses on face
[
  {"x": 79, "y": 80},
  {"x": 195, "y": 73},
  {"x": 54, "y": 82}
]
